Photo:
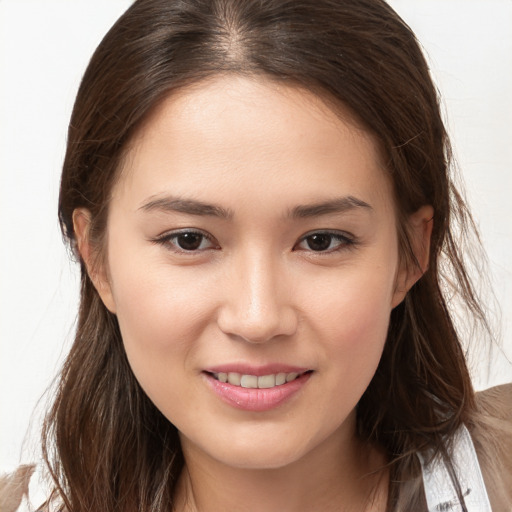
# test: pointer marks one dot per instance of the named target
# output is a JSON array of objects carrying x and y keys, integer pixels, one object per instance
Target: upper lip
[{"x": 258, "y": 371}]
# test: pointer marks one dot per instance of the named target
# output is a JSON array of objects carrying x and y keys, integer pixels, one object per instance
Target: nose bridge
[{"x": 258, "y": 306}]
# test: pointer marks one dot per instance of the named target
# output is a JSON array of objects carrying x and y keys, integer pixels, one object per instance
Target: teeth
[
  {"x": 249, "y": 381},
  {"x": 253, "y": 382},
  {"x": 280, "y": 379},
  {"x": 266, "y": 381},
  {"x": 291, "y": 376},
  {"x": 234, "y": 378}
]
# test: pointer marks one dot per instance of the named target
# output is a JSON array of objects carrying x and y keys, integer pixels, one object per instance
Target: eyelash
[
  {"x": 167, "y": 240},
  {"x": 346, "y": 241}
]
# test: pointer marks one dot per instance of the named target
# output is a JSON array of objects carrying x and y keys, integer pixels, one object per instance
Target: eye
[
  {"x": 325, "y": 241},
  {"x": 187, "y": 240}
]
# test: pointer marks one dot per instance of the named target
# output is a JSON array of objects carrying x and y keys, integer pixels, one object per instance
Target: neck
[{"x": 337, "y": 476}]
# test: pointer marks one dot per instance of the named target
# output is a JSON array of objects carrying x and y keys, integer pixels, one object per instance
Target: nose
[{"x": 257, "y": 303}]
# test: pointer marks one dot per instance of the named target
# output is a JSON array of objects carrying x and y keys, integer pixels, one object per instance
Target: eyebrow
[
  {"x": 338, "y": 205},
  {"x": 194, "y": 207},
  {"x": 188, "y": 206}
]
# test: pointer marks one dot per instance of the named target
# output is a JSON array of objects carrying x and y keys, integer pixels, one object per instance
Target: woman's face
[{"x": 252, "y": 238}]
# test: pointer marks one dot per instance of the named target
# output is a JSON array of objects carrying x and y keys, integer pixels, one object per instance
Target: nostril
[{"x": 248, "y": 330}]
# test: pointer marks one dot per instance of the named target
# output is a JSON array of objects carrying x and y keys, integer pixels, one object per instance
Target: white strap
[{"x": 439, "y": 489}]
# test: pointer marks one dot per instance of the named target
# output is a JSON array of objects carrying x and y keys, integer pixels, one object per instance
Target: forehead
[{"x": 252, "y": 138}]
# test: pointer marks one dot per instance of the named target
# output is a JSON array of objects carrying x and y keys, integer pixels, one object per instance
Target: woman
[{"x": 259, "y": 196}]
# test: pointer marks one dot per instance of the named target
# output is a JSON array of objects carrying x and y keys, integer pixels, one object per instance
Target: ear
[
  {"x": 95, "y": 267},
  {"x": 419, "y": 230}
]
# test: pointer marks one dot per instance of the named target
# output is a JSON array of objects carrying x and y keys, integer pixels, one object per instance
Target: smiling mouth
[{"x": 257, "y": 382}]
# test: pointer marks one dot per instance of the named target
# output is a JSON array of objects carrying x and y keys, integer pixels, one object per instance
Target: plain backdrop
[{"x": 44, "y": 48}]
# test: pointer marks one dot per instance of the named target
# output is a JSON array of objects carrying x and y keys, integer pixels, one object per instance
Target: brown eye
[
  {"x": 325, "y": 241},
  {"x": 189, "y": 241},
  {"x": 319, "y": 242}
]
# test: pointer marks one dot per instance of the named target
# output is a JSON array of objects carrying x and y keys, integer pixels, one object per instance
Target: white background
[{"x": 44, "y": 48}]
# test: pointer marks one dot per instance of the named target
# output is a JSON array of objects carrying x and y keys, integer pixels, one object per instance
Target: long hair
[{"x": 106, "y": 445}]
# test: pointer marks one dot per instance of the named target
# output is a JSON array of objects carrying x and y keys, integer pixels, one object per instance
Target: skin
[{"x": 255, "y": 291}]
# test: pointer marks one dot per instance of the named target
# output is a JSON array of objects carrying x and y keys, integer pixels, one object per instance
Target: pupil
[
  {"x": 190, "y": 241},
  {"x": 319, "y": 242}
]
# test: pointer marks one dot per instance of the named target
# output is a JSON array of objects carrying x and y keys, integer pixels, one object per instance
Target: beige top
[{"x": 492, "y": 437}]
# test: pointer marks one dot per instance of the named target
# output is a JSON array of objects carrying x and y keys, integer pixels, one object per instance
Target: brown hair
[{"x": 107, "y": 446}]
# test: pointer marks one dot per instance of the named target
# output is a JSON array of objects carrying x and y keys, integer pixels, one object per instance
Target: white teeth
[
  {"x": 266, "y": 381},
  {"x": 280, "y": 379},
  {"x": 253, "y": 382},
  {"x": 234, "y": 378},
  {"x": 291, "y": 376},
  {"x": 249, "y": 381}
]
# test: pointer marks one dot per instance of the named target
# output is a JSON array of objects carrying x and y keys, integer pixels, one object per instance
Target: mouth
[
  {"x": 248, "y": 381},
  {"x": 257, "y": 393}
]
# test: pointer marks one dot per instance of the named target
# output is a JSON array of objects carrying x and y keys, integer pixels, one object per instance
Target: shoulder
[
  {"x": 14, "y": 492},
  {"x": 14, "y": 487},
  {"x": 496, "y": 401},
  {"x": 492, "y": 435}
]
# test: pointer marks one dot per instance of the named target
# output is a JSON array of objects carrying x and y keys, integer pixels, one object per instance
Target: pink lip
[{"x": 256, "y": 400}]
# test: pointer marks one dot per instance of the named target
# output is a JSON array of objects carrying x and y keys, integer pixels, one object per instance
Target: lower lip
[{"x": 256, "y": 400}]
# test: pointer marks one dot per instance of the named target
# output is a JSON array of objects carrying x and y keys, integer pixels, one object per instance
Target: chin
[
  {"x": 261, "y": 459},
  {"x": 250, "y": 452}
]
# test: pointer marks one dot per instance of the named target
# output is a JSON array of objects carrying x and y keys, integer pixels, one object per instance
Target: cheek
[
  {"x": 355, "y": 349},
  {"x": 152, "y": 295},
  {"x": 358, "y": 337},
  {"x": 161, "y": 311},
  {"x": 353, "y": 320},
  {"x": 161, "y": 318}
]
